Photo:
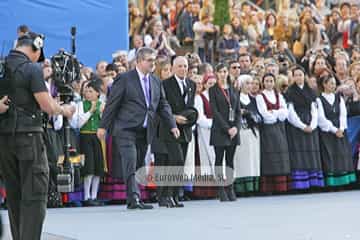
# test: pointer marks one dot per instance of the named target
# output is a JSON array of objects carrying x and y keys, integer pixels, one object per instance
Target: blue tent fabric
[{"x": 102, "y": 25}]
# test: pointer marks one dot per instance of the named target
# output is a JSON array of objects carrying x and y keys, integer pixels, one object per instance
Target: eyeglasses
[
  {"x": 235, "y": 67},
  {"x": 150, "y": 59}
]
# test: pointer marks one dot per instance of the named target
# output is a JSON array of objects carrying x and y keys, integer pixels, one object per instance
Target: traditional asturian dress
[
  {"x": 304, "y": 148},
  {"x": 335, "y": 152},
  {"x": 204, "y": 154},
  {"x": 247, "y": 155},
  {"x": 275, "y": 162}
]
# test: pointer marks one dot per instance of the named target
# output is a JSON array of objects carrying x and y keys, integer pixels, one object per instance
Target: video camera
[{"x": 66, "y": 70}]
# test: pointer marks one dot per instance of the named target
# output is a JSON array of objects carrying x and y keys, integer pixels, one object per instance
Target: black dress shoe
[
  {"x": 231, "y": 193},
  {"x": 137, "y": 204},
  {"x": 99, "y": 203},
  {"x": 91, "y": 203},
  {"x": 165, "y": 202},
  {"x": 177, "y": 203},
  {"x": 222, "y": 195}
]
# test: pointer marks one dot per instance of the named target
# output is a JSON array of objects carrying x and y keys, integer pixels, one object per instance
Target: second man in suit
[{"x": 180, "y": 93}]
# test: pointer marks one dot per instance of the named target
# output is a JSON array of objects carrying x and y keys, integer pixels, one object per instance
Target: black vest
[
  {"x": 332, "y": 112},
  {"x": 19, "y": 119}
]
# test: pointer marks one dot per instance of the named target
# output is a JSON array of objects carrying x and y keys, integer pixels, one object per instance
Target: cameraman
[{"x": 23, "y": 159}]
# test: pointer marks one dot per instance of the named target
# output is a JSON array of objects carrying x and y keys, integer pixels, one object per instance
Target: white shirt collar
[
  {"x": 141, "y": 75},
  {"x": 179, "y": 79}
]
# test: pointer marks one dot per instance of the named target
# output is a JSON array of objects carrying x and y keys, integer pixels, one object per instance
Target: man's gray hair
[{"x": 144, "y": 51}]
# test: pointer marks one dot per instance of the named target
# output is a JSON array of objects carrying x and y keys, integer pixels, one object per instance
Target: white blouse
[
  {"x": 202, "y": 121},
  {"x": 325, "y": 124},
  {"x": 273, "y": 116},
  {"x": 296, "y": 121},
  {"x": 244, "y": 98}
]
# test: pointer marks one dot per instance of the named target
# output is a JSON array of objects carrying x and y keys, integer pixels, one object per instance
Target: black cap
[{"x": 36, "y": 41}]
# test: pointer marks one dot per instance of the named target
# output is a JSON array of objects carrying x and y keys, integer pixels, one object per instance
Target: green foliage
[{"x": 222, "y": 15}]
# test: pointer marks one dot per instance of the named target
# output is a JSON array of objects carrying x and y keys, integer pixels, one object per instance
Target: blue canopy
[{"x": 102, "y": 25}]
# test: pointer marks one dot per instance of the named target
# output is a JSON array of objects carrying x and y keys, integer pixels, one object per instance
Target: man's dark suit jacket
[
  {"x": 126, "y": 108},
  {"x": 177, "y": 103}
]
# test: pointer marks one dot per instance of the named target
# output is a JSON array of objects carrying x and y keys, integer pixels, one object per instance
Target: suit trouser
[
  {"x": 177, "y": 155},
  {"x": 161, "y": 161},
  {"x": 25, "y": 170},
  {"x": 132, "y": 148}
]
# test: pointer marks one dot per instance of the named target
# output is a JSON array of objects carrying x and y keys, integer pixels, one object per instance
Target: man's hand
[
  {"x": 232, "y": 132},
  {"x": 4, "y": 104},
  {"x": 101, "y": 133},
  {"x": 68, "y": 110},
  {"x": 180, "y": 119},
  {"x": 307, "y": 129},
  {"x": 175, "y": 132}
]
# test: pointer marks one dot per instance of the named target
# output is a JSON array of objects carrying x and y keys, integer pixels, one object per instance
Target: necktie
[
  {"x": 147, "y": 90},
  {"x": 183, "y": 88}
]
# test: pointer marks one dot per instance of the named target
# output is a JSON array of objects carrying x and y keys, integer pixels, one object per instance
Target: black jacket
[
  {"x": 126, "y": 108},
  {"x": 220, "y": 107},
  {"x": 177, "y": 103}
]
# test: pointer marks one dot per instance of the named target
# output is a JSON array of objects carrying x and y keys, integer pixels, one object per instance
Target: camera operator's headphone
[{"x": 36, "y": 40}]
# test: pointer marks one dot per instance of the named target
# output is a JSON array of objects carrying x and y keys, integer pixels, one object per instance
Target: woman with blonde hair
[
  {"x": 282, "y": 83},
  {"x": 163, "y": 68}
]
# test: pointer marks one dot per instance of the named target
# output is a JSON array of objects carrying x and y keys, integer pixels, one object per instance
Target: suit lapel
[
  {"x": 152, "y": 90},
  {"x": 232, "y": 97},
  {"x": 189, "y": 91},
  {"x": 138, "y": 87}
]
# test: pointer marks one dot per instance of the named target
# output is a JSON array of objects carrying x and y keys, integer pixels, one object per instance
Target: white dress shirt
[
  {"x": 181, "y": 83},
  {"x": 141, "y": 76}
]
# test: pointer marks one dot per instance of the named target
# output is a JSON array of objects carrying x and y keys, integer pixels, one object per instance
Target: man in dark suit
[
  {"x": 135, "y": 100},
  {"x": 180, "y": 93}
]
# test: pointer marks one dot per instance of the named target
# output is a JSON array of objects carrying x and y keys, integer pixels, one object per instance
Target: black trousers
[
  {"x": 25, "y": 170},
  {"x": 161, "y": 161},
  {"x": 229, "y": 152},
  {"x": 131, "y": 148},
  {"x": 176, "y": 158}
]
